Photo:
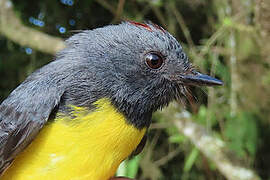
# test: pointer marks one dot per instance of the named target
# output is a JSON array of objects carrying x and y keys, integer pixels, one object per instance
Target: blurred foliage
[
  {"x": 241, "y": 133},
  {"x": 229, "y": 39}
]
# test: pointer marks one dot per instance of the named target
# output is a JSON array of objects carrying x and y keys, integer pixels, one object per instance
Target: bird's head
[{"x": 140, "y": 67}]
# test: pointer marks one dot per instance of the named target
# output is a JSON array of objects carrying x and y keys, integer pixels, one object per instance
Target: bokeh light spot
[
  {"x": 72, "y": 22},
  {"x": 28, "y": 51},
  {"x": 62, "y": 30},
  {"x": 36, "y": 22},
  {"x": 67, "y": 2}
]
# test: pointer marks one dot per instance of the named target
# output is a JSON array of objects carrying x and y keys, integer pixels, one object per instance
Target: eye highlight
[{"x": 154, "y": 60}]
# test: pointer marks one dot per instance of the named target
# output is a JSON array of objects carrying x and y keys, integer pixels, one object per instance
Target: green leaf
[
  {"x": 227, "y": 22},
  {"x": 190, "y": 160},
  {"x": 133, "y": 166},
  {"x": 122, "y": 169},
  {"x": 177, "y": 138},
  {"x": 129, "y": 168}
]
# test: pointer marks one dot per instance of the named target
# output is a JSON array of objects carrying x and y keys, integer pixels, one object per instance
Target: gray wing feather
[{"x": 24, "y": 113}]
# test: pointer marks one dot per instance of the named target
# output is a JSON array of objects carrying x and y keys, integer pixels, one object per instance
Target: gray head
[{"x": 139, "y": 67}]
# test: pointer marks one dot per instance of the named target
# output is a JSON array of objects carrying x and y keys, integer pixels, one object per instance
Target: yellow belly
[{"x": 90, "y": 146}]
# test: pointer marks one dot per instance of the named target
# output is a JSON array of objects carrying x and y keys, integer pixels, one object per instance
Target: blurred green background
[{"x": 225, "y": 38}]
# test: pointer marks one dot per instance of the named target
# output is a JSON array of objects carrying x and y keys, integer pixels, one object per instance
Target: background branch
[
  {"x": 213, "y": 148},
  {"x": 12, "y": 28}
]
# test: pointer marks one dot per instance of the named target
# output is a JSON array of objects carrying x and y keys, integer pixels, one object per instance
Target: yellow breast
[{"x": 89, "y": 146}]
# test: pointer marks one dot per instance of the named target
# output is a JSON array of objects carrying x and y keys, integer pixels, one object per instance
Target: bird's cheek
[
  {"x": 172, "y": 77},
  {"x": 174, "y": 69}
]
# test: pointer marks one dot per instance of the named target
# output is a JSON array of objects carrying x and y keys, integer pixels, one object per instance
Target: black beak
[{"x": 198, "y": 79}]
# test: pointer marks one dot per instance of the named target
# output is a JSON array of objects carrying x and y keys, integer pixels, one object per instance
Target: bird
[{"x": 82, "y": 114}]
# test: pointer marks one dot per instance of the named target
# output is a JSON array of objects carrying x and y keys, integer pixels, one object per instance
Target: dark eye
[{"x": 153, "y": 60}]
